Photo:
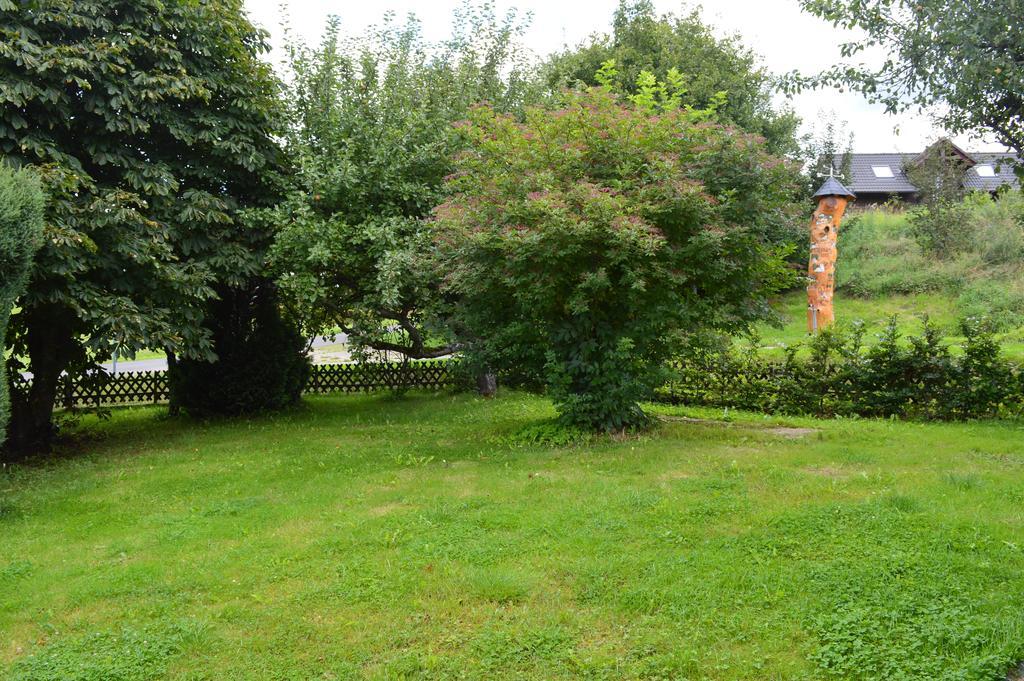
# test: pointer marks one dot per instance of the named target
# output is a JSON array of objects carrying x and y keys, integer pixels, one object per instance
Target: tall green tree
[
  {"x": 153, "y": 122},
  {"x": 941, "y": 222},
  {"x": 828, "y": 150},
  {"x": 588, "y": 244},
  {"x": 961, "y": 59},
  {"x": 371, "y": 136},
  {"x": 711, "y": 68},
  {"x": 21, "y": 235}
]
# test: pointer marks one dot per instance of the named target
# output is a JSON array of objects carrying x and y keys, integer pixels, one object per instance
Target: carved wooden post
[{"x": 821, "y": 268}]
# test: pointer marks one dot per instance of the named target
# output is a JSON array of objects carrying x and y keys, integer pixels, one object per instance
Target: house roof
[
  {"x": 865, "y": 179},
  {"x": 948, "y": 149},
  {"x": 1002, "y": 167}
]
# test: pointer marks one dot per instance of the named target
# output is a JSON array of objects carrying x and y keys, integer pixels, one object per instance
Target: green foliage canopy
[
  {"x": 153, "y": 123},
  {"x": 370, "y": 133},
  {"x": 965, "y": 55},
  {"x": 21, "y": 233},
  {"x": 711, "y": 69},
  {"x": 586, "y": 245}
]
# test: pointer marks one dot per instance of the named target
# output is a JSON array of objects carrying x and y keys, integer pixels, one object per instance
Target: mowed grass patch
[{"x": 372, "y": 537}]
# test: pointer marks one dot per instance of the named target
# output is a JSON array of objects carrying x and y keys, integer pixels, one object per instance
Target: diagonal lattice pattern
[
  {"x": 99, "y": 389},
  {"x": 350, "y": 378}
]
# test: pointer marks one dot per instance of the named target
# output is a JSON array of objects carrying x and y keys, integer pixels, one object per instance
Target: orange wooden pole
[{"x": 821, "y": 268}]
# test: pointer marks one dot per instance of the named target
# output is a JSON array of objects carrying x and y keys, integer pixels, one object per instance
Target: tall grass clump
[{"x": 879, "y": 256}]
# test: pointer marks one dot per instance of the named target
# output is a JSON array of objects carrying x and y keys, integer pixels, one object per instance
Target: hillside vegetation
[
  {"x": 884, "y": 253},
  {"x": 887, "y": 269}
]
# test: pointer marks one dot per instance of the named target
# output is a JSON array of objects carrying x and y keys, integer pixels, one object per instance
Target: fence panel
[
  {"x": 352, "y": 378},
  {"x": 100, "y": 389}
]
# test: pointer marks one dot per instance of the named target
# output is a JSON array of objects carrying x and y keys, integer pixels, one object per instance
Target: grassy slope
[
  {"x": 909, "y": 310},
  {"x": 382, "y": 538},
  {"x": 882, "y": 271}
]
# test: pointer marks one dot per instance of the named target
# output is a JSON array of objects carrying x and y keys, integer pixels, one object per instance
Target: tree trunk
[
  {"x": 487, "y": 384},
  {"x": 173, "y": 399},
  {"x": 51, "y": 346}
]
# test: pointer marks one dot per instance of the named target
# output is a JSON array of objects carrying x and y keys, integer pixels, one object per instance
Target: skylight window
[
  {"x": 882, "y": 171},
  {"x": 985, "y": 170}
]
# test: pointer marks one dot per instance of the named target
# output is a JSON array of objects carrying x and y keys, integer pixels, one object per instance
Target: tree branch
[{"x": 417, "y": 347}]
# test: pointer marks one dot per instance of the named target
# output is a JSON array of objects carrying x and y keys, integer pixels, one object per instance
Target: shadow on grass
[{"x": 92, "y": 433}]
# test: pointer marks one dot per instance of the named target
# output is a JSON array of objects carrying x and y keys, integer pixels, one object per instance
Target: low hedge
[{"x": 918, "y": 377}]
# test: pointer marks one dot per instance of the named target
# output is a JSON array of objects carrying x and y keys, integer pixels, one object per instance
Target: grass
[
  {"x": 909, "y": 309},
  {"x": 981, "y": 274},
  {"x": 371, "y": 537},
  {"x": 145, "y": 354},
  {"x": 883, "y": 271}
]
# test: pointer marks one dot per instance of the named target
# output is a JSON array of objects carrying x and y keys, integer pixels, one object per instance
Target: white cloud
[{"x": 784, "y": 36}]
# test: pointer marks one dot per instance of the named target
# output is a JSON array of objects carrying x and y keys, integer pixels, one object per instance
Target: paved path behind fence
[
  {"x": 160, "y": 363},
  {"x": 151, "y": 387}
]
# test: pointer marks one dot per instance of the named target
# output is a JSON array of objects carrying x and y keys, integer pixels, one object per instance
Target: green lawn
[
  {"x": 372, "y": 537},
  {"x": 145, "y": 354},
  {"x": 909, "y": 310}
]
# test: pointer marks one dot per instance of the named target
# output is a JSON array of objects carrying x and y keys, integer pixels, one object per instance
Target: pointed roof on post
[{"x": 834, "y": 187}]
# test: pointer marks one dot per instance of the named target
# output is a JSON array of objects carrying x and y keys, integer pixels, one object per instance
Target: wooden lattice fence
[
  {"x": 100, "y": 389},
  {"x": 352, "y": 378}
]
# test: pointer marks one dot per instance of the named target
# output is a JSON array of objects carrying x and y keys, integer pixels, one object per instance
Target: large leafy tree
[
  {"x": 962, "y": 59},
  {"x": 587, "y": 244},
  {"x": 372, "y": 140},
  {"x": 711, "y": 68},
  {"x": 153, "y": 122},
  {"x": 828, "y": 150},
  {"x": 21, "y": 234}
]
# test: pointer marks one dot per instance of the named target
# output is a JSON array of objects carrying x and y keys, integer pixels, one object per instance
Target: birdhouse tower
[{"x": 821, "y": 268}]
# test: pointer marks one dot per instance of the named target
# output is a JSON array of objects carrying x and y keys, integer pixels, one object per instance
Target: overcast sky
[{"x": 777, "y": 30}]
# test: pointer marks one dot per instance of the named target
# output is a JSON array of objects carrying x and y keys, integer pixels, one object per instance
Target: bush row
[{"x": 917, "y": 377}]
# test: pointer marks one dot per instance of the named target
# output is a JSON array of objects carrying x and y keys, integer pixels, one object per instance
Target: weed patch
[{"x": 124, "y": 655}]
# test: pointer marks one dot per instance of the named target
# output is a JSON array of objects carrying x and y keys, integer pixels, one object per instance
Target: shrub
[
  {"x": 584, "y": 244},
  {"x": 1000, "y": 302},
  {"x": 21, "y": 229},
  {"x": 262, "y": 363},
  {"x": 371, "y": 140},
  {"x": 920, "y": 378},
  {"x": 983, "y": 383},
  {"x": 942, "y": 229}
]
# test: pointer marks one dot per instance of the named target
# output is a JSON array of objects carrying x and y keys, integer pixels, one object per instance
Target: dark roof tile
[
  {"x": 862, "y": 178},
  {"x": 833, "y": 187},
  {"x": 864, "y": 181},
  {"x": 1002, "y": 167}
]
